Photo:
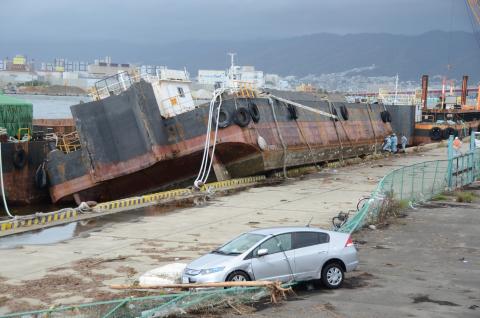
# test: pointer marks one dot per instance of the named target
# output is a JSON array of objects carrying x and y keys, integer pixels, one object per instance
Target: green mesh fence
[
  {"x": 417, "y": 183},
  {"x": 15, "y": 114},
  {"x": 206, "y": 301}
]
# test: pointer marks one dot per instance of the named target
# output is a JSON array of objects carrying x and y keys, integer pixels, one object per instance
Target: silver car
[{"x": 278, "y": 254}]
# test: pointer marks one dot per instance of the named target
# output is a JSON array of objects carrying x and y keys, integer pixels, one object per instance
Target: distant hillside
[{"x": 409, "y": 56}]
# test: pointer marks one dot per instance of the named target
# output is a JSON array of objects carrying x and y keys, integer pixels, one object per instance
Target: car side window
[
  {"x": 323, "y": 238},
  {"x": 277, "y": 244},
  {"x": 304, "y": 239}
]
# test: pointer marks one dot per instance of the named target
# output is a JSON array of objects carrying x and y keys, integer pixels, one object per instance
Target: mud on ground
[
  {"x": 426, "y": 264},
  {"x": 80, "y": 270}
]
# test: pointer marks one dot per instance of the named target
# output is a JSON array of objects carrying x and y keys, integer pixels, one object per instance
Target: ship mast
[
  {"x": 232, "y": 60},
  {"x": 231, "y": 78}
]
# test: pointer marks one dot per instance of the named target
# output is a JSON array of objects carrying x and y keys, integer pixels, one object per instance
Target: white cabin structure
[{"x": 172, "y": 92}]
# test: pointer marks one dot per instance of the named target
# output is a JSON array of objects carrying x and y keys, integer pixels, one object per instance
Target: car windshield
[{"x": 240, "y": 244}]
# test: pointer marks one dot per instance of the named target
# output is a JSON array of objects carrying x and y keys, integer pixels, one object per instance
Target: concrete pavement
[{"x": 142, "y": 240}]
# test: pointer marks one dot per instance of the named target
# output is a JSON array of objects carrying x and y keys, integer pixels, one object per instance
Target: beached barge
[{"x": 151, "y": 135}]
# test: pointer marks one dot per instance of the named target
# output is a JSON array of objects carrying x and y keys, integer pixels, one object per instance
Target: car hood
[{"x": 211, "y": 260}]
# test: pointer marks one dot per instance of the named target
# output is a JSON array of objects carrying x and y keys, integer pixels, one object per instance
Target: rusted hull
[
  {"x": 128, "y": 148},
  {"x": 18, "y": 178},
  {"x": 426, "y": 132},
  {"x": 59, "y": 126}
]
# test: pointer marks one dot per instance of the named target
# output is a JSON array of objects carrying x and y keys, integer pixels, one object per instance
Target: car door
[
  {"x": 310, "y": 252},
  {"x": 278, "y": 263}
]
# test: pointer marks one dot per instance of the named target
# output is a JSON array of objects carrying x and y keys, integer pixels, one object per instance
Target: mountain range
[{"x": 435, "y": 53}]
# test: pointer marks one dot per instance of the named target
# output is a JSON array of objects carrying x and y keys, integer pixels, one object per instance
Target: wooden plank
[{"x": 201, "y": 285}]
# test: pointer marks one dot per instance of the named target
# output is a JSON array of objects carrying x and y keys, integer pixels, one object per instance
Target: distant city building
[
  {"x": 211, "y": 77},
  {"x": 271, "y": 80},
  {"x": 306, "y": 88},
  {"x": 102, "y": 68},
  {"x": 63, "y": 65},
  {"x": 240, "y": 75},
  {"x": 150, "y": 69},
  {"x": 18, "y": 64}
]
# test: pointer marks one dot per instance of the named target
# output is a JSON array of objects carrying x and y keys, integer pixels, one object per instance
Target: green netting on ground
[
  {"x": 15, "y": 114},
  {"x": 417, "y": 183},
  {"x": 206, "y": 301}
]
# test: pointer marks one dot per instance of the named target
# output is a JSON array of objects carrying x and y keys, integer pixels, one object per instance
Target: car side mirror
[{"x": 262, "y": 252}]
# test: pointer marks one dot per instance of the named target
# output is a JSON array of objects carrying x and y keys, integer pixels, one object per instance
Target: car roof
[{"x": 286, "y": 229}]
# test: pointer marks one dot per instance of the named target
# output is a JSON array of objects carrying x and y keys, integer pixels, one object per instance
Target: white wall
[
  {"x": 168, "y": 99},
  {"x": 210, "y": 77}
]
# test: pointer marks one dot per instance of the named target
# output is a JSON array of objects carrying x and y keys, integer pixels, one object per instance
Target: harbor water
[{"x": 52, "y": 107}]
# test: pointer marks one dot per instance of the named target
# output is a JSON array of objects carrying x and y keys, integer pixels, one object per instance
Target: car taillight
[{"x": 349, "y": 242}]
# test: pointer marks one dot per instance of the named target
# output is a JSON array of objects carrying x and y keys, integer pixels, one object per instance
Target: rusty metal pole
[
  {"x": 424, "y": 91},
  {"x": 463, "y": 100}
]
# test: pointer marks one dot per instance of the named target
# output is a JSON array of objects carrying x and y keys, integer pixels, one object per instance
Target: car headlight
[
  {"x": 192, "y": 272},
  {"x": 211, "y": 270}
]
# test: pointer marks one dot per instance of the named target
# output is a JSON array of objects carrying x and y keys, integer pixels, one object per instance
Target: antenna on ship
[
  {"x": 231, "y": 72},
  {"x": 232, "y": 59}
]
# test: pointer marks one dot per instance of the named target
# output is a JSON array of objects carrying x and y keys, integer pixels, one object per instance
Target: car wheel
[
  {"x": 238, "y": 277},
  {"x": 332, "y": 276}
]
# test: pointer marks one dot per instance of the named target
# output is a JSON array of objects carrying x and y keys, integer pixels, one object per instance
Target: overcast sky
[{"x": 56, "y": 21}]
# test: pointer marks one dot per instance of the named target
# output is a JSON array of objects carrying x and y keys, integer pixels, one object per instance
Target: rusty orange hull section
[
  {"x": 128, "y": 148},
  {"x": 19, "y": 174},
  {"x": 426, "y": 132}
]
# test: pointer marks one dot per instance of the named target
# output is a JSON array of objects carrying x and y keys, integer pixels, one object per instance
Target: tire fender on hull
[
  {"x": 344, "y": 112},
  {"x": 20, "y": 158},
  {"x": 436, "y": 133},
  {"x": 292, "y": 111},
  {"x": 335, "y": 113},
  {"x": 386, "y": 117},
  {"x": 242, "y": 117},
  {"x": 224, "y": 118},
  {"x": 449, "y": 131},
  {"x": 254, "y": 112},
  {"x": 41, "y": 177}
]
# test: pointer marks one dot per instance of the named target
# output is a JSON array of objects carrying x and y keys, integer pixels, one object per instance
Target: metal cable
[
  {"x": 308, "y": 145},
  {"x": 336, "y": 131},
  {"x": 270, "y": 101},
  {"x": 345, "y": 131},
  {"x": 373, "y": 128}
]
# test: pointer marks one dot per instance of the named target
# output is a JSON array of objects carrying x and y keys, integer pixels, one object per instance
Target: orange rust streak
[{"x": 69, "y": 187}]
